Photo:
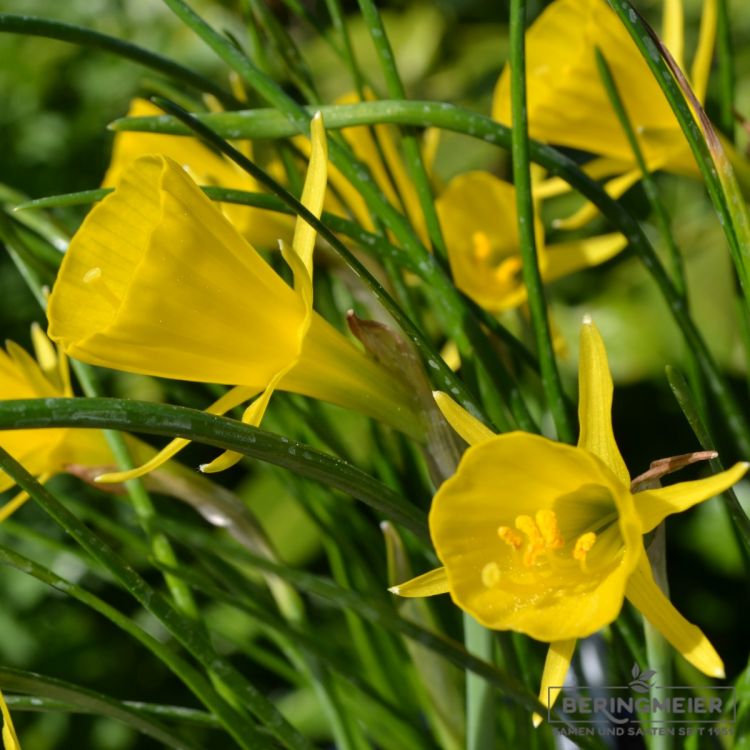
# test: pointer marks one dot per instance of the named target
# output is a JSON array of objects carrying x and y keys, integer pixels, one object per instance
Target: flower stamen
[
  {"x": 547, "y": 522},
  {"x": 583, "y": 546},
  {"x": 510, "y": 536},
  {"x": 481, "y": 246}
]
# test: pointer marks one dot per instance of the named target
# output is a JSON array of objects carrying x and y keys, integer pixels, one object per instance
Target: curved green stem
[{"x": 532, "y": 278}]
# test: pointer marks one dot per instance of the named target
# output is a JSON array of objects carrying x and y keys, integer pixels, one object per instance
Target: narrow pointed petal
[
  {"x": 45, "y": 353},
  {"x": 568, "y": 257},
  {"x": 701, "y": 68},
  {"x": 644, "y": 594},
  {"x": 597, "y": 169},
  {"x": 673, "y": 30},
  {"x": 228, "y": 401},
  {"x": 595, "y": 402},
  {"x": 653, "y": 506},
  {"x": 468, "y": 427},
  {"x": 428, "y": 584},
  {"x": 313, "y": 193},
  {"x": 10, "y": 739},
  {"x": 556, "y": 667},
  {"x": 615, "y": 187}
]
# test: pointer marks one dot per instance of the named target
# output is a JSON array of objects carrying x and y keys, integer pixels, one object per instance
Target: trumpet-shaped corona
[
  {"x": 477, "y": 214},
  {"x": 158, "y": 281},
  {"x": 547, "y": 539}
]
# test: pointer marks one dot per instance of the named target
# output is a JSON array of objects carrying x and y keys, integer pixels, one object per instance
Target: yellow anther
[
  {"x": 510, "y": 536},
  {"x": 583, "y": 545},
  {"x": 536, "y": 540},
  {"x": 491, "y": 575},
  {"x": 547, "y": 522},
  {"x": 482, "y": 248}
]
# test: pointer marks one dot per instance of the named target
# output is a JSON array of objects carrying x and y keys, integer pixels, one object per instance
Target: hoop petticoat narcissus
[
  {"x": 477, "y": 214},
  {"x": 568, "y": 104},
  {"x": 10, "y": 738},
  {"x": 158, "y": 281},
  {"x": 208, "y": 169},
  {"x": 546, "y": 539},
  {"x": 45, "y": 453}
]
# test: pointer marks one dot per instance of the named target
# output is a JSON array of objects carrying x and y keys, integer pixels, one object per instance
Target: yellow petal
[
  {"x": 556, "y": 666},
  {"x": 10, "y": 739},
  {"x": 701, "y": 68},
  {"x": 673, "y": 29},
  {"x": 428, "y": 584},
  {"x": 467, "y": 426},
  {"x": 595, "y": 402},
  {"x": 514, "y": 475},
  {"x": 644, "y": 594},
  {"x": 565, "y": 258},
  {"x": 653, "y": 506}
]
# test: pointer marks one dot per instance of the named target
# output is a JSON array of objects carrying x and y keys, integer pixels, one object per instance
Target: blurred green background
[{"x": 56, "y": 102}]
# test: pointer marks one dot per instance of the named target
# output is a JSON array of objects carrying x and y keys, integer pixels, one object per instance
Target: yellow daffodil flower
[
  {"x": 547, "y": 539},
  {"x": 10, "y": 738},
  {"x": 44, "y": 453},
  {"x": 568, "y": 104},
  {"x": 157, "y": 281},
  {"x": 477, "y": 214},
  {"x": 207, "y": 168}
]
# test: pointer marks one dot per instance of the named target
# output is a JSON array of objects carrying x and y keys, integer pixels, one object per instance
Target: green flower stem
[
  {"x": 658, "y": 651},
  {"x": 647, "y": 179},
  {"x": 338, "y": 22},
  {"x": 717, "y": 172},
  {"x": 80, "y": 700},
  {"x": 659, "y": 211},
  {"x": 142, "y": 505},
  {"x": 532, "y": 278},
  {"x": 740, "y": 521},
  {"x": 65, "y": 32},
  {"x": 185, "y": 630},
  {"x": 725, "y": 55},
  {"x": 480, "y": 694},
  {"x": 237, "y": 725},
  {"x": 396, "y": 90},
  {"x": 220, "y": 432}
]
